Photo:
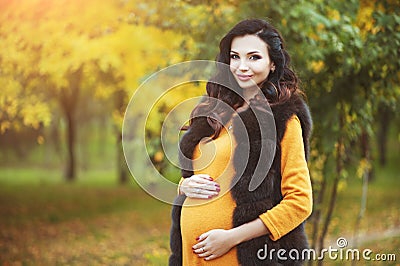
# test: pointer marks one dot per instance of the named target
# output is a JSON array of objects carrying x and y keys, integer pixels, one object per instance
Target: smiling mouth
[{"x": 244, "y": 77}]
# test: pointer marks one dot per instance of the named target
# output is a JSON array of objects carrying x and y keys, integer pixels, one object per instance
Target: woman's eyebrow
[
  {"x": 251, "y": 52},
  {"x": 254, "y": 52}
]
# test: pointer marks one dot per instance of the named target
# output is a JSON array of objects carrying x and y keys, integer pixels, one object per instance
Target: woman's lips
[{"x": 243, "y": 77}]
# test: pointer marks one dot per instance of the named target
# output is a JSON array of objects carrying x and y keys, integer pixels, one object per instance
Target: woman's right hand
[{"x": 199, "y": 186}]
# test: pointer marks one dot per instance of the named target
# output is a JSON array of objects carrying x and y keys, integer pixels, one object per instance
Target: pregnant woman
[{"x": 218, "y": 219}]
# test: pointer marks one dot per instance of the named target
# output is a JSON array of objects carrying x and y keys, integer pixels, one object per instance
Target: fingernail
[
  {"x": 210, "y": 196},
  {"x": 218, "y": 189},
  {"x": 197, "y": 238},
  {"x": 211, "y": 178},
  {"x": 217, "y": 185}
]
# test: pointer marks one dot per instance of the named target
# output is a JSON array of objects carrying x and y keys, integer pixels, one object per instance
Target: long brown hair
[{"x": 223, "y": 91}]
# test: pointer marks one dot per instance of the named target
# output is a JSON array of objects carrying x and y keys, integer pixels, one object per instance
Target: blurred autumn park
[{"x": 69, "y": 68}]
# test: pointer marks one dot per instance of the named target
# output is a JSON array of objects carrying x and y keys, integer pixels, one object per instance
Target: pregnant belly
[{"x": 197, "y": 218}]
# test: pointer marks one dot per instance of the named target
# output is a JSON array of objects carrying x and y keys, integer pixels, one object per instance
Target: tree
[{"x": 62, "y": 58}]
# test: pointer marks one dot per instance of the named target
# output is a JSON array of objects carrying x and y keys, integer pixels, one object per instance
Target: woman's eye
[
  {"x": 255, "y": 57},
  {"x": 234, "y": 56}
]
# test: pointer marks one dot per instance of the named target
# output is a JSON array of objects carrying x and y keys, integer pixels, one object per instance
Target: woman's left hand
[{"x": 214, "y": 244}]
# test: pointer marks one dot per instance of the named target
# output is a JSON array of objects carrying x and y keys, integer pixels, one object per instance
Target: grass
[
  {"x": 96, "y": 221},
  {"x": 45, "y": 221},
  {"x": 379, "y": 228},
  {"x": 383, "y": 208}
]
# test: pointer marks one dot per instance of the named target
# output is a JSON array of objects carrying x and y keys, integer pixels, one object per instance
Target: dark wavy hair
[{"x": 223, "y": 91}]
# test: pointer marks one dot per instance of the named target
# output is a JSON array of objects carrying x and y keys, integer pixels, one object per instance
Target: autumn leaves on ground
[
  {"x": 73, "y": 224},
  {"x": 98, "y": 222}
]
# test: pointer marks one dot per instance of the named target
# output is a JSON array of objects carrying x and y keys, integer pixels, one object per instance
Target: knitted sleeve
[{"x": 296, "y": 204}]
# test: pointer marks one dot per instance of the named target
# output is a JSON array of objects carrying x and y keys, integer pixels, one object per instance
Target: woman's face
[{"x": 249, "y": 60}]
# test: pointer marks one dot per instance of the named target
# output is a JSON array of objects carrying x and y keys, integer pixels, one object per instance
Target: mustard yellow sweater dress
[{"x": 215, "y": 159}]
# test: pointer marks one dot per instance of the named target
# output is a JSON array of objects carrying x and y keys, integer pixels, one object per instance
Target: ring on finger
[
  {"x": 197, "y": 190},
  {"x": 202, "y": 250}
]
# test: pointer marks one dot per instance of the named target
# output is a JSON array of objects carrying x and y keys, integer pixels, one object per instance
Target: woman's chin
[{"x": 249, "y": 84}]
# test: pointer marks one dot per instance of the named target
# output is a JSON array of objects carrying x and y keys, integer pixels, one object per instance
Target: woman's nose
[{"x": 243, "y": 67}]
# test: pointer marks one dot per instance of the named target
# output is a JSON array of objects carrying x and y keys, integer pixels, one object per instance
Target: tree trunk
[
  {"x": 366, "y": 155},
  {"x": 122, "y": 167},
  {"x": 316, "y": 218},
  {"x": 339, "y": 169},
  {"x": 332, "y": 202},
  {"x": 384, "y": 119},
  {"x": 123, "y": 171},
  {"x": 317, "y": 213},
  {"x": 69, "y": 98},
  {"x": 70, "y": 173}
]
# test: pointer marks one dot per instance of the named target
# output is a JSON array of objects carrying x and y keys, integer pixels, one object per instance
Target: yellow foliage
[
  {"x": 35, "y": 114},
  {"x": 320, "y": 27},
  {"x": 317, "y": 66},
  {"x": 333, "y": 14},
  {"x": 103, "y": 91},
  {"x": 117, "y": 118},
  {"x": 342, "y": 185},
  {"x": 158, "y": 156},
  {"x": 40, "y": 140},
  {"x": 4, "y": 126},
  {"x": 365, "y": 20},
  {"x": 44, "y": 41},
  {"x": 17, "y": 104},
  {"x": 315, "y": 34},
  {"x": 363, "y": 166}
]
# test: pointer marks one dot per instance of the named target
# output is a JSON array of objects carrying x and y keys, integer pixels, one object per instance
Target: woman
[{"x": 222, "y": 221}]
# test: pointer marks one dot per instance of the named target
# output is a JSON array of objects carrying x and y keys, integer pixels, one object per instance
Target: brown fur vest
[{"x": 250, "y": 204}]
